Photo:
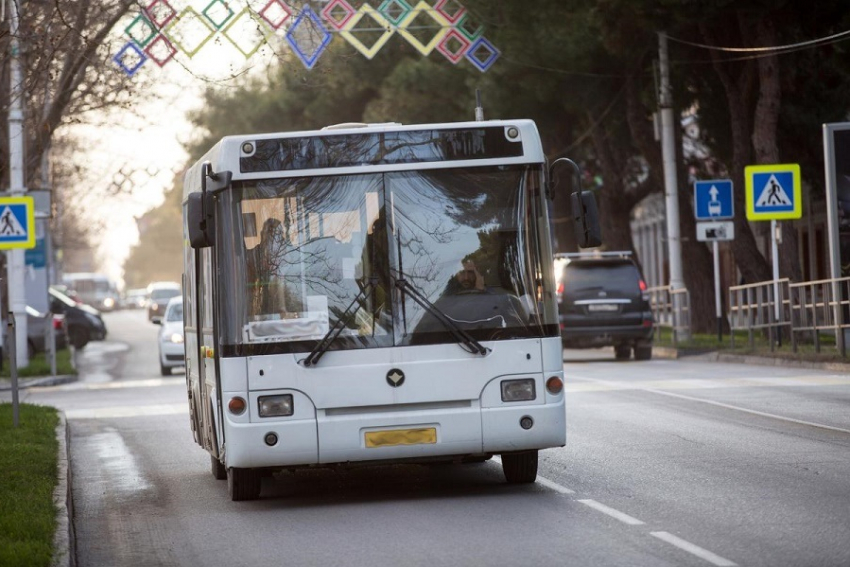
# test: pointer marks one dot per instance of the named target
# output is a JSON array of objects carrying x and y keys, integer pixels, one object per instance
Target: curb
[
  {"x": 36, "y": 382},
  {"x": 62, "y": 537},
  {"x": 714, "y": 356}
]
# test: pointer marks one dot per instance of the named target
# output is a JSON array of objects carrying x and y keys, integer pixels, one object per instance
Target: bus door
[{"x": 207, "y": 393}]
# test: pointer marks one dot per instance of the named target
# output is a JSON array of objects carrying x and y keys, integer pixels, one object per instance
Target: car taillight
[
  {"x": 560, "y": 288},
  {"x": 642, "y": 285},
  {"x": 58, "y": 324}
]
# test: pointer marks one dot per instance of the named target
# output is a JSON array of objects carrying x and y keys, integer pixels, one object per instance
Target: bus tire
[
  {"x": 219, "y": 472},
  {"x": 243, "y": 484},
  {"x": 520, "y": 468}
]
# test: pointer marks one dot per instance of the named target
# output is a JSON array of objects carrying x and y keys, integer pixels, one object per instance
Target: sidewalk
[
  {"x": 718, "y": 356},
  {"x": 24, "y": 383}
]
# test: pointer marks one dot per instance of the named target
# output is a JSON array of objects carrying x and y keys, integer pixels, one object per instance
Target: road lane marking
[
  {"x": 684, "y": 545},
  {"x": 542, "y": 481},
  {"x": 616, "y": 514},
  {"x": 127, "y": 411},
  {"x": 554, "y": 486},
  {"x": 728, "y": 406}
]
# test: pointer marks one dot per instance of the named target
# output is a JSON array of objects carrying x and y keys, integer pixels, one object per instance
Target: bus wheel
[
  {"x": 520, "y": 468},
  {"x": 218, "y": 470},
  {"x": 243, "y": 484}
]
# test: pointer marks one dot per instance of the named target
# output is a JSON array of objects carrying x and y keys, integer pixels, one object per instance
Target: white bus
[
  {"x": 373, "y": 293},
  {"x": 97, "y": 290}
]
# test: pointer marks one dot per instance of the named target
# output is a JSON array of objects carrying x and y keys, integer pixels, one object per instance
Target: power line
[{"x": 771, "y": 49}]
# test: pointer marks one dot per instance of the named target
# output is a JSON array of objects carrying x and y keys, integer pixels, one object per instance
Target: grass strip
[
  {"x": 40, "y": 366},
  {"x": 28, "y": 471}
]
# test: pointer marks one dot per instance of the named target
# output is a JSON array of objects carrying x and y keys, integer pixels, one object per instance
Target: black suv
[{"x": 602, "y": 302}]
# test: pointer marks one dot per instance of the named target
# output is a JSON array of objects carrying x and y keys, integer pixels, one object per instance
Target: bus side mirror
[
  {"x": 199, "y": 225},
  {"x": 586, "y": 220}
]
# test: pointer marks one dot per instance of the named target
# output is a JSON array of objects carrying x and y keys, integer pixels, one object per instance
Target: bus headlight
[
  {"x": 518, "y": 390},
  {"x": 276, "y": 406}
]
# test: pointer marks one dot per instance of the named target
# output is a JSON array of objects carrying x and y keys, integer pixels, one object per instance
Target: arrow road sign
[
  {"x": 713, "y": 200},
  {"x": 715, "y": 231},
  {"x": 17, "y": 223},
  {"x": 773, "y": 192}
]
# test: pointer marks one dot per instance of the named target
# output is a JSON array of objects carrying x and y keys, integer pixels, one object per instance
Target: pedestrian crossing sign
[
  {"x": 17, "y": 222},
  {"x": 773, "y": 192}
]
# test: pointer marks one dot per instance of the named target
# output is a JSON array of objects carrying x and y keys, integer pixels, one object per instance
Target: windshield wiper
[
  {"x": 464, "y": 339},
  {"x": 344, "y": 319}
]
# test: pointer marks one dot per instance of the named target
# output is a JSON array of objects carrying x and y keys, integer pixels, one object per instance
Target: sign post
[
  {"x": 17, "y": 231},
  {"x": 774, "y": 193},
  {"x": 713, "y": 201}
]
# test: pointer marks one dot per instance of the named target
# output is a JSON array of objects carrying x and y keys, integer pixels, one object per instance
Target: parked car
[
  {"x": 171, "y": 349},
  {"x": 83, "y": 323},
  {"x": 602, "y": 301},
  {"x": 158, "y": 295},
  {"x": 38, "y": 327}
]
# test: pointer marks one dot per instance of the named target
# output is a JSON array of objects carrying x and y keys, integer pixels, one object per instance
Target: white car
[{"x": 171, "y": 349}]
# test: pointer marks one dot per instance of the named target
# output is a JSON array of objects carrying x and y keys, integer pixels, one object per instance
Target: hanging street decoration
[{"x": 163, "y": 28}]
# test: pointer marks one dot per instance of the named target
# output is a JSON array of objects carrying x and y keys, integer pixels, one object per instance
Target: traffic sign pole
[
  {"x": 718, "y": 307},
  {"x": 774, "y": 249}
]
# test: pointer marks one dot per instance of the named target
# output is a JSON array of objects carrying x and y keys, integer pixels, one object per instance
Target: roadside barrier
[
  {"x": 821, "y": 306},
  {"x": 671, "y": 308},
  {"x": 761, "y": 306}
]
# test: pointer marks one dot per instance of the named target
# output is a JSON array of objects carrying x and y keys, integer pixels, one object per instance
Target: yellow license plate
[{"x": 391, "y": 437}]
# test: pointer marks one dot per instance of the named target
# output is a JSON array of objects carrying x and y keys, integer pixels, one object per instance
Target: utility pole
[
  {"x": 671, "y": 189},
  {"x": 15, "y": 258}
]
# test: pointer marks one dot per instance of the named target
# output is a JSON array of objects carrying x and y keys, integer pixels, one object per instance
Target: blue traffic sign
[
  {"x": 17, "y": 222},
  {"x": 713, "y": 200}
]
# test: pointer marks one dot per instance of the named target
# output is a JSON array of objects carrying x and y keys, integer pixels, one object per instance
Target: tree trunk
[
  {"x": 765, "y": 125},
  {"x": 750, "y": 261}
]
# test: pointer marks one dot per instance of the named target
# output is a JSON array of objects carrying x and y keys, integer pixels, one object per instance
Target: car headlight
[
  {"x": 108, "y": 302},
  {"x": 518, "y": 390},
  {"x": 275, "y": 406},
  {"x": 176, "y": 337}
]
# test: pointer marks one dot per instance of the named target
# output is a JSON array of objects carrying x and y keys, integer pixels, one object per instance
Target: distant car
[
  {"x": 158, "y": 295},
  {"x": 602, "y": 302},
  {"x": 135, "y": 299},
  {"x": 171, "y": 349},
  {"x": 83, "y": 323},
  {"x": 38, "y": 327}
]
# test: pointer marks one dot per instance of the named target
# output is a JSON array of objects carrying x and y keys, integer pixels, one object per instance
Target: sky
[{"x": 146, "y": 143}]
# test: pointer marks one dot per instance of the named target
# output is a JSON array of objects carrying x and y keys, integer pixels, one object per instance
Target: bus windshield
[{"x": 303, "y": 255}]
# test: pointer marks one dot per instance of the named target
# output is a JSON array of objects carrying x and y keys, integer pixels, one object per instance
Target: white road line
[
  {"x": 127, "y": 411},
  {"x": 554, "y": 486},
  {"x": 722, "y": 405},
  {"x": 616, "y": 514},
  {"x": 684, "y": 545},
  {"x": 750, "y": 411},
  {"x": 551, "y": 485}
]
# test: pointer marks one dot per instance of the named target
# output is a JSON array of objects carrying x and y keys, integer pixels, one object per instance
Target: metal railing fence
[
  {"x": 761, "y": 306},
  {"x": 821, "y": 306},
  {"x": 671, "y": 308}
]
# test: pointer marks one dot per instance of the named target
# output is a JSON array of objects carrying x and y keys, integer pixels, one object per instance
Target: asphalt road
[{"x": 667, "y": 463}]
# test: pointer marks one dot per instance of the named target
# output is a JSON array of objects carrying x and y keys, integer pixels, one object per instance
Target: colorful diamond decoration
[
  {"x": 482, "y": 54},
  {"x": 450, "y": 10},
  {"x": 338, "y": 13},
  {"x": 160, "y": 50},
  {"x": 469, "y": 27},
  {"x": 160, "y": 13},
  {"x": 130, "y": 58},
  {"x": 275, "y": 13},
  {"x": 308, "y": 37},
  {"x": 395, "y": 10},
  {"x": 349, "y": 32},
  {"x": 218, "y": 13},
  {"x": 454, "y": 46},
  {"x": 189, "y": 31},
  {"x": 405, "y": 28},
  {"x": 248, "y": 31},
  {"x": 141, "y": 30}
]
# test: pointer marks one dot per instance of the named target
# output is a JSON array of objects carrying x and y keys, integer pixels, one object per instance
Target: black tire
[
  {"x": 164, "y": 370},
  {"x": 520, "y": 468},
  {"x": 78, "y": 337},
  {"x": 623, "y": 352},
  {"x": 643, "y": 352},
  {"x": 243, "y": 484},
  {"x": 218, "y": 470}
]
